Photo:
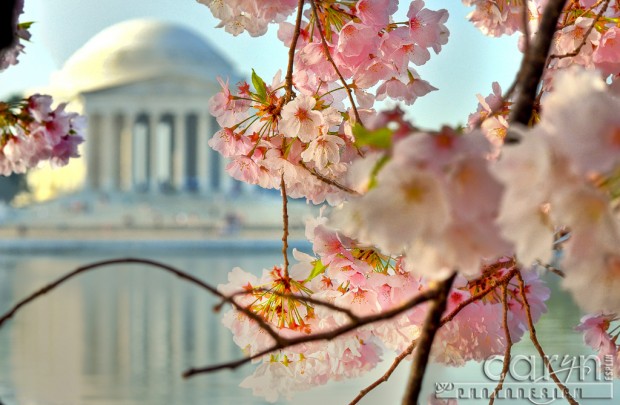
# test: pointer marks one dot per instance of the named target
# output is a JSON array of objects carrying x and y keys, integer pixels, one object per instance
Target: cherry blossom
[{"x": 34, "y": 133}]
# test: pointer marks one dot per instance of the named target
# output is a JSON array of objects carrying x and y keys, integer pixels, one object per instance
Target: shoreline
[{"x": 130, "y": 246}]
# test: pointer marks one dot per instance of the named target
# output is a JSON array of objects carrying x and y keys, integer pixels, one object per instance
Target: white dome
[{"x": 140, "y": 50}]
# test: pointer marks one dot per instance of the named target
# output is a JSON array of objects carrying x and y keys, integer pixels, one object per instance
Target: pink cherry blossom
[
  {"x": 299, "y": 119},
  {"x": 606, "y": 57}
]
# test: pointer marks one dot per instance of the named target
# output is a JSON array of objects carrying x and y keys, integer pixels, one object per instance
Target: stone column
[
  {"x": 179, "y": 158},
  {"x": 93, "y": 151},
  {"x": 109, "y": 161},
  {"x": 153, "y": 122},
  {"x": 126, "y": 151},
  {"x": 202, "y": 155}
]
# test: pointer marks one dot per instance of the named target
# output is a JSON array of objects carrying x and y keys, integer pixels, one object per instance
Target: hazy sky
[{"x": 466, "y": 66}]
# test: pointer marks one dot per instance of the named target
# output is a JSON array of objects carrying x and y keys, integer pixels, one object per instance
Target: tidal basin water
[{"x": 124, "y": 335}]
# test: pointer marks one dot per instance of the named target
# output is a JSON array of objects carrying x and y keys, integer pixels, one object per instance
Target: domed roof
[{"x": 137, "y": 50}]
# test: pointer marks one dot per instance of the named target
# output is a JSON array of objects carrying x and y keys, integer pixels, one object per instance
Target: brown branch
[
  {"x": 288, "y": 80},
  {"x": 104, "y": 263},
  {"x": 587, "y": 34},
  {"x": 328, "y": 335},
  {"x": 525, "y": 20},
  {"x": 539, "y": 348},
  {"x": 425, "y": 341},
  {"x": 533, "y": 65},
  {"x": 284, "y": 225},
  {"x": 506, "y": 363},
  {"x": 331, "y": 61},
  {"x": 327, "y": 180},
  {"x": 398, "y": 359}
]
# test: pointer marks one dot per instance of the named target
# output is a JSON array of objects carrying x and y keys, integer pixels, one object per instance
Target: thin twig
[
  {"x": 284, "y": 226},
  {"x": 398, "y": 359},
  {"x": 507, "y": 354},
  {"x": 331, "y": 61},
  {"x": 288, "y": 80},
  {"x": 587, "y": 34},
  {"x": 425, "y": 341},
  {"x": 179, "y": 273},
  {"x": 533, "y": 66},
  {"x": 328, "y": 335},
  {"x": 539, "y": 348},
  {"x": 327, "y": 180}
]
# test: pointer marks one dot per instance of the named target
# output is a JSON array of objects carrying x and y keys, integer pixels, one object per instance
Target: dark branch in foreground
[
  {"x": 533, "y": 65},
  {"x": 398, "y": 359},
  {"x": 425, "y": 341}
]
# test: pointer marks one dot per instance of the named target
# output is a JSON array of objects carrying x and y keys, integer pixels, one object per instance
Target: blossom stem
[
  {"x": 285, "y": 232},
  {"x": 288, "y": 80},
  {"x": 331, "y": 61}
]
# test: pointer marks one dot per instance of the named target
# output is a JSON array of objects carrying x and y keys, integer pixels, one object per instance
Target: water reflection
[{"x": 123, "y": 335}]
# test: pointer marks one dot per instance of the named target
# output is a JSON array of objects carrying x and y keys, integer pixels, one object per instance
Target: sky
[{"x": 467, "y": 65}]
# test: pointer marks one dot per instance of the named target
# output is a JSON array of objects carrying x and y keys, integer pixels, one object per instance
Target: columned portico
[
  {"x": 154, "y": 151},
  {"x": 147, "y": 101}
]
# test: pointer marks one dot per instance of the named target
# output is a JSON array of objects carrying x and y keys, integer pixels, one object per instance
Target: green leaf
[
  {"x": 259, "y": 86},
  {"x": 379, "y": 138},
  {"x": 319, "y": 268},
  {"x": 375, "y": 171}
]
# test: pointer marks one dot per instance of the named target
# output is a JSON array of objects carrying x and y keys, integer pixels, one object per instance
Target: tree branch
[
  {"x": 329, "y": 181},
  {"x": 398, "y": 359},
  {"x": 425, "y": 341},
  {"x": 328, "y": 335},
  {"x": 539, "y": 348},
  {"x": 179, "y": 273},
  {"x": 533, "y": 65},
  {"x": 288, "y": 79}
]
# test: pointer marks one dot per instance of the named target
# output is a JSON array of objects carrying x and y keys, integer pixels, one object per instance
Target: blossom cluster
[
  {"x": 600, "y": 332},
  {"x": 414, "y": 206},
  {"x": 369, "y": 48},
  {"x": 249, "y": 15},
  {"x": 307, "y": 140},
  {"x": 33, "y": 132},
  {"x": 268, "y": 140},
  {"x": 587, "y": 34},
  {"x": 364, "y": 281},
  {"x": 574, "y": 163}
]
